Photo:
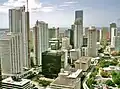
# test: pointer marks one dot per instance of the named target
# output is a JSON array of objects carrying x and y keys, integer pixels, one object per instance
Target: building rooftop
[
  {"x": 84, "y": 59},
  {"x": 67, "y": 79},
  {"x": 19, "y": 83}
]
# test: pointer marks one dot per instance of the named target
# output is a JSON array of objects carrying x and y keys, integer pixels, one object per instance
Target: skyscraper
[
  {"x": 92, "y": 41},
  {"x": 78, "y": 32},
  {"x": 112, "y": 25},
  {"x": 40, "y": 41},
  {"x": 19, "y": 23},
  {"x": 113, "y": 34},
  {"x": 11, "y": 54}
]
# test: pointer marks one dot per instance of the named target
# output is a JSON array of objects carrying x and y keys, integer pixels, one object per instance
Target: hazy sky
[{"x": 61, "y": 12}]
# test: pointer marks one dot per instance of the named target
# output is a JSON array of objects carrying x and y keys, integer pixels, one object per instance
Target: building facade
[
  {"x": 40, "y": 41},
  {"x": 19, "y": 23},
  {"x": 113, "y": 34},
  {"x": 92, "y": 42},
  {"x": 112, "y": 25},
  {"x": 11, "y": 54}
]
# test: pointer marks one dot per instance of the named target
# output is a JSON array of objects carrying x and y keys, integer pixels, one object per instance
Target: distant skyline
[{"x": 60, "y": 13}]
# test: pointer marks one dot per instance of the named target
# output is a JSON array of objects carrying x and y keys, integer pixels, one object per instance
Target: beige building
[
  {"x": 92, "y": 42},
  {"x": 83, "y": 63},
  {"x": 68, "y": 80}
]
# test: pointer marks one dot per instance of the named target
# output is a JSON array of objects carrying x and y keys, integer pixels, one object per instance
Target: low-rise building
[
  {"x": 83, "y": 63},
  {"x": 9, "y": 83},
  {"x": 68, "y": 80}
]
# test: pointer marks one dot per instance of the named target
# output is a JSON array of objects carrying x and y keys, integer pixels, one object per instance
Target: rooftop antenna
[{"x": 27, "y": 5}]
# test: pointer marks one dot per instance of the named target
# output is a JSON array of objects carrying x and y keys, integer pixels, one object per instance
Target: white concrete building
[
  {"x": 74, "y": 54},
  {"x": 11, "y": 54},
  {"x": 83, "y": 63},
  {"x": 64, "y": 58},
  {"x": 9, "y": 83},
  {"x": 92, "y": 42},
  {"x": 19, "y": 23},
  {"x": 67, "y": 80},
  {"x": 113, "y": 34},
  {"x": 40, "y": 41},
  {"x": 65, "y": 43}
]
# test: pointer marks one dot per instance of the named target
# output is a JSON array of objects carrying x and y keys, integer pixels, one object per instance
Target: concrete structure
[
  {"x": 67, "y": 80},
  {"x": 65, "y": 43},
  {"x": 83, "y": 63},
  {"x": 113, "y": 34},
  {"x": 74, "y": 54},
  {"x": 52, "y": 33},
  {"x": 11, "y": 53},
  {"x": 103, "y": 34},
  {"x": 78, "y": 32},
  {"x": 72, "y": 35},
  {"x": 85, "y": 40},
  {"x": 98, "y": 35},
  {"x": 112, "y": 25},
  {"x": 92, "y": 41},
  {"x": 116, "y": 40},
  {"x": 40, "y": 41},
  {"x": 9, "y": 83},
  {"x": 19, "y": 23},
  {"x": 64, "y": 59},
  {"x": 84, "y": 51},
  {"x": 57, "y": 32},
  {"x": 54, "y": 44}
]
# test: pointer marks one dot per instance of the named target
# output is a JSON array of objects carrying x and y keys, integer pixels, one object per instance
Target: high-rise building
[
  {"x": 72, "y": 35},
  {"x": 65, "y": 43},
  {"x": 40, "y": 41},
  {"x": 92, "y": 41},
  {"x": 11, "y": 54},
  {"x": 78, "y": 32},
  {"x": 98, "y": 35},
  {"x": 52, "y": 33},
  {"x": 57, "y": 32},
  {"x": 117, "y": 43},
  {"x": 112, "y": 25},
  {"x": 113, "y": 34},
  {"x": 104, "y": 34},
  {"x": 19, "y": 23}
]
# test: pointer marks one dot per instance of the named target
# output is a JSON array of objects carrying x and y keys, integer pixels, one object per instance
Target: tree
[
  {"x": 44, "y": 82},
  {"x": 110, "y": 83},
  {"x": 104, "y": 74},
  {"x": 90, "y": 83}
]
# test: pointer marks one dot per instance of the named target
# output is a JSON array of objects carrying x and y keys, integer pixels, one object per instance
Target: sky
[{"x": 60, "y": 13}]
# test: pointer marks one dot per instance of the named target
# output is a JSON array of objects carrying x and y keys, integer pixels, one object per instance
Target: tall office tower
[
  {"x": 72, "y": 35},
  {"x": 112, "y": 25},
  {"x": 10, "y": 54},
  {"x": 78, "y": 32},
  {"x": 113, "y": 34},
  {"x": 52, "y": 33},
  {"x": 104, "y": 34},
  {"x": 57, "y": 32},
  {"x": 19, "y": 23},
  {"x": 92, "y": 42},
  {"x": 40, "y": 41}
]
